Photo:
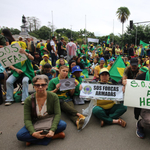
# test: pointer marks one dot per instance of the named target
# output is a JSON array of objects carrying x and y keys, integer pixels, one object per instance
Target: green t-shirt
[
  {"x": 42, "y": 50},
  {"x": 86, "y": 63},
  {"x": 61, "y": 94}
]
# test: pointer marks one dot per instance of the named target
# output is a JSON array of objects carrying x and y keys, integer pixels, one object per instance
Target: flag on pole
[
  {"x": 117, "y": 69},
  {"x": 108, "y": 40}
]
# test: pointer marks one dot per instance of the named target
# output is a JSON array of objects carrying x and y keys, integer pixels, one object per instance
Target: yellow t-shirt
[
  {"x": 46, "y": 45},
  {"x": 108, "y": 67},
  {"x": 38, "y": 45},
  {"x": 21, "y": 44},
  {"x": 98, "y": 69},
  {"x": 117, "y": 51},
  {"x": 105, "y": 104},
  {"x": 42, "y": 63}
]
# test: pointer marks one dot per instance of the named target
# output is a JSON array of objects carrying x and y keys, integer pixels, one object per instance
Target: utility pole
[
  {"x": 71, "y": 31},
  {"x": 52, "y": 24},
  {"x": 85, "y": 28}
]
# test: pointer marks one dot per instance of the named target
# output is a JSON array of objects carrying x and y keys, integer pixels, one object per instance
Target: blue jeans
[
  {"x": 10, "y": 88},
  {"x": 24, "y": 135},
  {"x": 54, "y": 58}
]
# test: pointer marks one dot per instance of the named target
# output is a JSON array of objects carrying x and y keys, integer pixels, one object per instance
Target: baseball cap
[
  {"x": 104, "y": 70},
  {"x": 134, "y": 61},
  {"x": 45, "y": 56},
  {"x": 76, "y": 68}
]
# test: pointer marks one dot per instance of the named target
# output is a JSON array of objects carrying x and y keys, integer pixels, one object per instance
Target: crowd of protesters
[{"x": 57, "y": 59}]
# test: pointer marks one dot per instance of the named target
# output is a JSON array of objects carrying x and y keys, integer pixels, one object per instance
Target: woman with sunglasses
[
  {"x": 46, "y": 103},
  {"x": 65, "y": 99}
]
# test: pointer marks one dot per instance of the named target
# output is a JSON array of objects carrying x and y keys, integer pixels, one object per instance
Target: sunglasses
[{"x": 38, "y": 85}]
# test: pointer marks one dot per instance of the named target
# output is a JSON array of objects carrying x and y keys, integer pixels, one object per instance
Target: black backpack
[{"x": 49, "y": 48}]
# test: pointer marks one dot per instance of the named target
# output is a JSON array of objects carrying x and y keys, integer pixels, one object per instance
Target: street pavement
[{"x": 92, "y": 137}]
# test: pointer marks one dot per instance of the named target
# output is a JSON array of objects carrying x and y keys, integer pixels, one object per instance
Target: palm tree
[{"x": 123, "y": 14}]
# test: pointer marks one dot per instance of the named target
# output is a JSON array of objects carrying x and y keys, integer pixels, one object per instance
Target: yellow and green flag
[
  {"x": 108, "y": 40},
  {"x": 117, "y": 69},
  {"x": 145, "y": 45}
]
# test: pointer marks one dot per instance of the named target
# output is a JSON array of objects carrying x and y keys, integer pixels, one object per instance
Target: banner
[
  {"x": 102, "y": 91},
  {"x": 67, "y": 84},
  {"x": 93, "y": 40},
  {"x": 9, "y": 55},
  {"x": 137, "y": 94}
]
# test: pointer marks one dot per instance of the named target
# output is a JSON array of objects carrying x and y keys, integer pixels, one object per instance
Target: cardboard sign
[
  {"x": 9, "y": 55},
  {"x": 137, "y": 94},
  {"x": 67, "y": 84},
  {"x": 102, "y": 91}
]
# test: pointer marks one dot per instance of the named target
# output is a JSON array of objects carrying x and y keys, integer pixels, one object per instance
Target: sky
[{"x": 100, "y": 15}]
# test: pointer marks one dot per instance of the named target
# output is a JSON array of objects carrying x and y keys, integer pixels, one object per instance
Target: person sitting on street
[
  {"x": 45, "y": 61},
  {"x": 47, "y": 70},
  {"x": 41, "y": 104},
  {"x": 23, "y": 70},
  {"x": 106, "y": 110},
  {"x": 65, "y": 99}
]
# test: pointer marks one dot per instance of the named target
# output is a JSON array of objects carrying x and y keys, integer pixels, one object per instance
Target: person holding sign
[
  {"x": 66, "y": 103},
  {"x": 106, "y": 110},
  {"x": 23, "y": 70}
]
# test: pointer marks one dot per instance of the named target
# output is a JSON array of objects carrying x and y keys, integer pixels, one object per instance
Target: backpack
[{"x": 49, "y": 48}]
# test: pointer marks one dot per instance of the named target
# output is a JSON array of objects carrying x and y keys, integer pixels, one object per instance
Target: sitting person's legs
[
  {"x": 10, "y": 89},
  {"x": 25, "y": 83},
  {"x": 24, "y": 135}
]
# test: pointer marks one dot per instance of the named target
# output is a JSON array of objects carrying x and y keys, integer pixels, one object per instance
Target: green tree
[{"x": 123, "y": 14}]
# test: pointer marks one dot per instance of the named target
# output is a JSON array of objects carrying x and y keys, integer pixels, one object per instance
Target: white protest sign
[
  {"x": 137, "y": 94},
  {"x": 67, "y": 84},
  {"x": 102, "y": 91},
  {"x": 9, "y": 55}
]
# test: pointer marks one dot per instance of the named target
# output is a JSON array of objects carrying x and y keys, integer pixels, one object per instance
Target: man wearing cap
[
  {"x": 106, "y": 110},
  {"x": 71, "y": 49},
  {"x": 45, "y": 61},
  {"x": 131, "y": 71},
  {"x": 76, "y": 73},
  {"x": 111, "y": 62},
  {"x": 60, "y": 47}
]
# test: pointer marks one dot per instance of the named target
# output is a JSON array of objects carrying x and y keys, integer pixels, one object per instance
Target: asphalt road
[{"x": 92, "y": 137}]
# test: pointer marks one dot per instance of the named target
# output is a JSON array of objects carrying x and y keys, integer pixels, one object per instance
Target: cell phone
[{"x": 45, "y": 132}]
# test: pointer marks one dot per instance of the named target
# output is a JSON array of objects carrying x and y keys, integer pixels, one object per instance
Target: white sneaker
[
  {"x": 22, "y": 103},
  {"x": 8, "y": 103}
]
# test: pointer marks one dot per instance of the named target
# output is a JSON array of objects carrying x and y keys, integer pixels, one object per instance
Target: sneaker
[
  {"x": 22, "y": 103},
  {"x": 8, "y": 103},
  {"x": 139, "y": 130}
]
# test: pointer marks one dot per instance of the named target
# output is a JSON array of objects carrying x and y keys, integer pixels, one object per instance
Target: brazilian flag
[
  {"x": 117, "y": 69},
  {"x": 145, "y": 45},
  {"x": 108, "y": 40}
]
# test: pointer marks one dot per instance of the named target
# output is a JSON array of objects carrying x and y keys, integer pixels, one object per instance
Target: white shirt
[{"x": 52, "y": 43}]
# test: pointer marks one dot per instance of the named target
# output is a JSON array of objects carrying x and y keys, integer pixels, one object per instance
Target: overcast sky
[{"x": 99, "y": 14}]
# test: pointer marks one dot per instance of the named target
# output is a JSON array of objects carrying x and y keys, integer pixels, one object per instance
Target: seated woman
[
  {"x": 94, "y": 64},
  {"x": 47, "y": 70},
  {"x": 78, "y": 62},
  {"x": 46, "y": 103},
  {"x": 106, "y": 110},
  {"x": 23, "y": 70},
  {"x": 61, "y": 63},
  {"x": 65, "y": 97},
  {"x": 76, "y": 73}
]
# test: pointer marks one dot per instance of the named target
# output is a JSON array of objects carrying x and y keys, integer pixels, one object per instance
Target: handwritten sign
[
  {"x": 102, "y": 91},
  {"x": 137, "y": 94},
  {"x": 9, "y": 55},
  {"x": 67, "y": 84}
]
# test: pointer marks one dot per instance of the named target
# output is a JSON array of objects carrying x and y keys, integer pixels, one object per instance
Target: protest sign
[
  {"x": 137, "y": 94},
  {"x": 67, "y": 84},
  {"x": 9, "y": 55},
  {"x": 102, "y": 91}
]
